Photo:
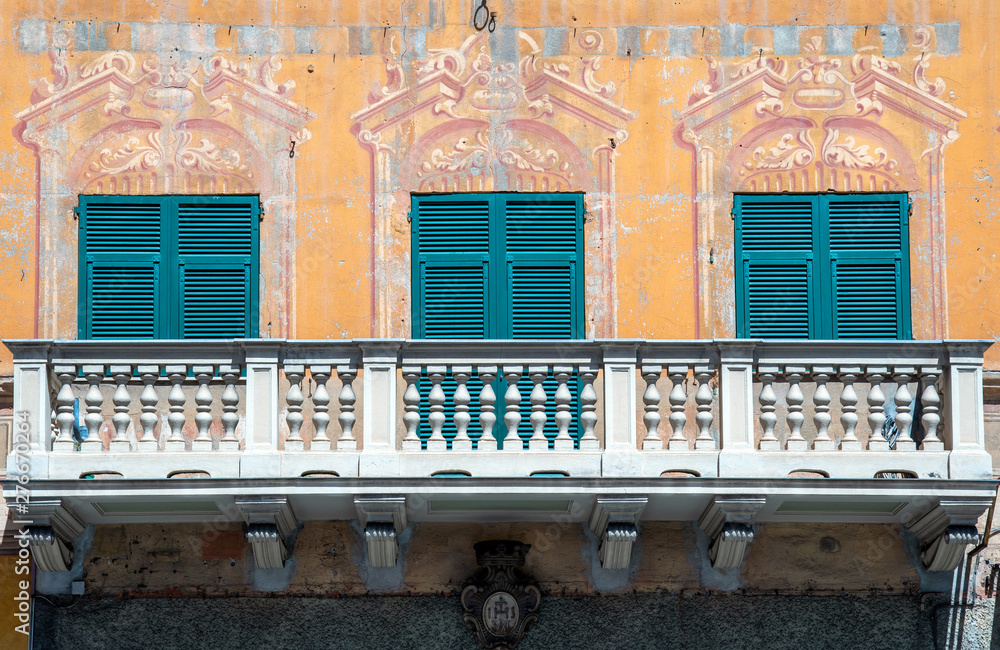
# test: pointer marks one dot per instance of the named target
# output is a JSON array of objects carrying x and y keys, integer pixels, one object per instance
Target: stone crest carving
[{"x": 500, "y": 601}]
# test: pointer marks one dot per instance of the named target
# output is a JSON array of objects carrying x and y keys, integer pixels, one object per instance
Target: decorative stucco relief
[
  {"x": 467, "y": 120},
  {"x": 166, "y": 124},
  {"x": 813, "y": 124}
]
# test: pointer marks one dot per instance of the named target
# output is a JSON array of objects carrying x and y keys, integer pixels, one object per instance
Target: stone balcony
[{"x": 725, "y": 432}]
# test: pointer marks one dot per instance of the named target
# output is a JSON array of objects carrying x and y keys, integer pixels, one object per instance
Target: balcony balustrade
[{"x": 407, "y": 408}]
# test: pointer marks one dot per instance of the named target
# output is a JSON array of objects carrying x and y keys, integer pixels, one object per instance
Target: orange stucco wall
[{"x": 649, "y": 274}]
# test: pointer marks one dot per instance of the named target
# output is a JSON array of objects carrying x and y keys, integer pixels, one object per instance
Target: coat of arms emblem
[{"x": 500, "y": 601}]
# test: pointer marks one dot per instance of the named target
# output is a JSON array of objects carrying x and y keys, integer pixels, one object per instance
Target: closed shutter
[
  {"x": 869, "y": 266},
  {"x": 775, "y": 238},
  {"x": 216, "y": 246},
  {"x": 120, "y": 251}
]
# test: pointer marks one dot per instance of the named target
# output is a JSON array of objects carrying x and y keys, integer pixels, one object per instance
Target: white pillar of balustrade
[
  {"x": 230, "y": 408},
  {"x": 795, "y": 417},
  {"x": 487, "y": 409},
  {"x": 203, "y": 404},
  {"x": 703, "y": 397},
  {"x": 461, "y": 399},
  {"x": 379, "y": 456},
  {"x": 538, "y": 417},
  {"x": 768, "y": 417},
  {"x": 176, "y": 374},
  {"x": 512, "y": 416},
  {"x": 620, "y": 403},
  {"x": 563, "y": 417},
  {"x": 736, "y": 423},
  {"x": 588, "y": 407},
  {"x": 32, "y": 410},
  {"x": 294, "y": 398},
  {"x": 902, "y": 399},
  {"x": 678, "y": 403},
  {"x": 436, "y": 399},
  {"x": 149, "y": 399},
  {"x": 260, "y": 457},
  {"x": 347, "y": 441},
  {"x": 821, "y": 404},
  {"x": 651, "y": 407},
  {"x": 121, "y": 400},
  {"x": 930, "y": 400},
  {"x": 411, "y": 408},
  {"x": 876, "y": 408},
  {"x": 849, "y": 409},
  {"x": 321, "y": 407},
  {"x": 965, "y": 433},
  {"x": 95, "y": 401},
  {"x": 64, "y": 409}
]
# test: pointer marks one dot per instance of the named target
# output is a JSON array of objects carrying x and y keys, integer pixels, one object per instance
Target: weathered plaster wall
[{"x": 348, "y": 276}]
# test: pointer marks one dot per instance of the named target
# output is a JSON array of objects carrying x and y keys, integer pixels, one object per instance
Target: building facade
[{"x": 471, "y": 323}]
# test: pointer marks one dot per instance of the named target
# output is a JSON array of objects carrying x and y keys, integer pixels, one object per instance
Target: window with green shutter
[
  {"x": 822, "y": 266},
  {"x": 159, "y": 267},
  {"x": 497, "y": 266}
]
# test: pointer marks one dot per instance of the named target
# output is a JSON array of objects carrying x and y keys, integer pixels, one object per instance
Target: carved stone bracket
[
  {"x": 614, "y": 520},
  {"x": 501, "y": 600},
  {"x": 51, "y": 534},
  {"x": 947, "y": 530},
  {"x": 270, "y": 521},
  {"x": 383, "y": 519},
  {"x": 728, "y": 523}
]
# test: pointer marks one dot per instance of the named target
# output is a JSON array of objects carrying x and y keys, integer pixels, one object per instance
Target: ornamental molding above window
[
  {"x": 467, "y": 119},
  {"x": 123, "y": 124},
  {"x": 817, "y": 123}
]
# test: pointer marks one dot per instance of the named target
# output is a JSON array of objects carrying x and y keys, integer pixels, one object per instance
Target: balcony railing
[{"x": 391, "y": 408}]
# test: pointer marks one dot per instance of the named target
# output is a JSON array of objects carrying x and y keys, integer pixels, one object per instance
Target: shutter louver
[
  {"x": 778, "y": 300},
  {"x": 866, "y": 299},
  {"x": 122, "y": 300},
  {"x": 214, "y": 302}
]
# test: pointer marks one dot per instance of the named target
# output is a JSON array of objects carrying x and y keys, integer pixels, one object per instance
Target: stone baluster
[
  {"x": 462, "y": 441},
  {"x": 512, "y": 418},
  {"x": 203, "y": 404},
  {"x": 849, "y": 409},
  {"x": 930, "y": 400},
  {"x": 704, "y": 397},
  {"x": 538, "y": 417},
  {"x": 177, "y": 375},
  {"x": 487, "y": 408},
  {"x": 678, "y": 402},
  {"x": 876, "y": 408},
  {"x": 321, "y": 408},
  {"x": 651, "y": 401},
  {"x": 904, "y": 417},
  {"x": 347, "y": 398},
  {"x": 563, "y": 417},
  {"x": 95, "y": 401},
  {"x": 294, "y": 399},
  {"x": 121, "y": 400},
  {"x": 795, "y": 417},
  {"x": 588, "y": 406},
  {"x": 768, "y": 417},
  {"x": 436, "y": 398},
  {"x": 411, "y": 408},
  {"x": 64, "y": 409},
  {"x": 230, "y": 406},
  {"x": 149, "y": 399},
  {"x": 821, "y": 403}
]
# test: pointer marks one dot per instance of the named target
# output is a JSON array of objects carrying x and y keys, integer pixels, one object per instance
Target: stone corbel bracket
[
  {"x": 947, "y": 530},
  {"x": 728, "y": 522},
  {"x": 52, "y": 531},
  {"x": 270, "y": 522},
  {"x": 614, "y": 522},
  {"x": 383, "y": 519}
]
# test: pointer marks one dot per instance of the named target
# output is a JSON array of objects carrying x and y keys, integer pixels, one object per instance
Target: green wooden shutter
[
  {"x": 121, "y": 250},
  {"x": 217, "y": 240},
  {"x": 543, "y": 241},
  {"x": 451, "y": 280},
  {"x": 869, "y": 265},
  {"x": 775, "y": 240}
]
